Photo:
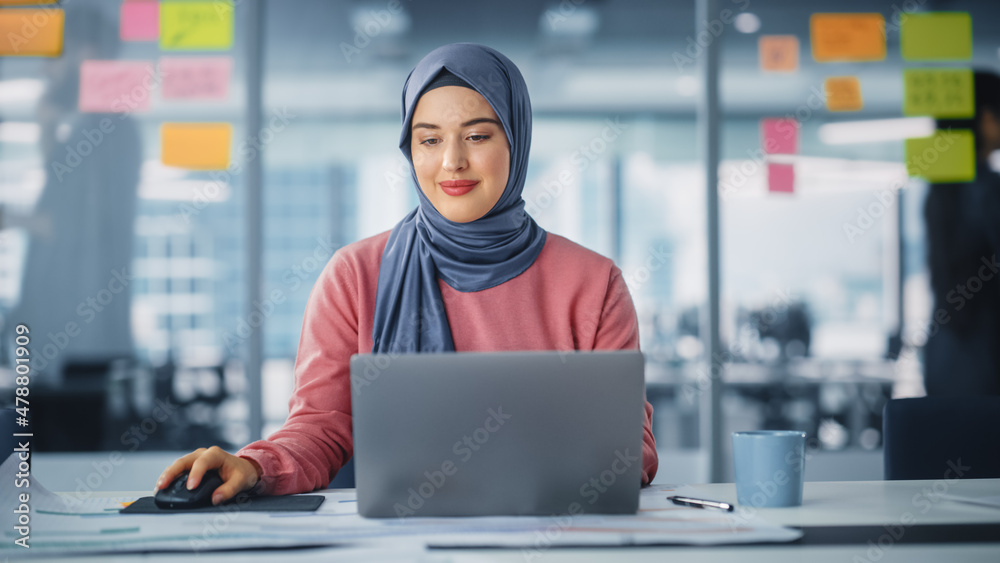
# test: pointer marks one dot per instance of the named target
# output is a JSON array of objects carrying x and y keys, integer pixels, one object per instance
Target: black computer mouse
[{"x": 177, "y": 496}]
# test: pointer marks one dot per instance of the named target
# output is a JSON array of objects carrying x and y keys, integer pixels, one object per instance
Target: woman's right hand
[{"x": 238, "y": 474}]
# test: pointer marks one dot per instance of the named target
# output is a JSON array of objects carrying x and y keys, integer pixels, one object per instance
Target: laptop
[{"x": 498, "y": 433}]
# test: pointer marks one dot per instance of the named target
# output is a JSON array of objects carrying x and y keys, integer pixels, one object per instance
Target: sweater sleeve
[
  {"x": 316, "y": 441},
  {"x": 618, "y": 329}
]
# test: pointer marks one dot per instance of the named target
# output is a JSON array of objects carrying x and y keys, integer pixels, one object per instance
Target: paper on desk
[
  {"x": 87, "y": 528},
  {"x": 992, "y": 501},
  {"x": 68, "y": 524},
  {"x": 658, "y": 522}
]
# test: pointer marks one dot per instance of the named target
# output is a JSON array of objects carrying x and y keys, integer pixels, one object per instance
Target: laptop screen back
[{"x": 506, "y": 433}]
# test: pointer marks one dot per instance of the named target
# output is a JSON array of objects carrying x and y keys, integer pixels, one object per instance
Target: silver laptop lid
[{"x": 505, "y": 433}]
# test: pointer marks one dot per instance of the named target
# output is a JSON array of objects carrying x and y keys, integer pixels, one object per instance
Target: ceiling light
[
  {"x": 747, "y": 23},
  {"x": 875, "y": 130}
]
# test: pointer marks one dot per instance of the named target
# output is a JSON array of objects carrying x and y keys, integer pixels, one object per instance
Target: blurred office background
[{"x": 819, "y": 325}]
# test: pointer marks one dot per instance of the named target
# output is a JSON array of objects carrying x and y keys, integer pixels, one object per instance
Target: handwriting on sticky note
[
  {"x": 140, "y": 20},
  {"x": 946, "y": 156},
  {"x": 116, "y": 86},
  {"x": 193, "y": 78},
  {"x": 843, "y": 93},
  {"x": 778, "y": 53},
  {"x": 780, "y": 178},
  {"x": 780, "y": 135},
  {"x": 196, "y": 146},
  {"x": 847, "y": 37},
  {"x": 196, "y": 25},
  {"x": 936, "y": 36},
  {"x": 938, "y": 92},
  {"x": 31, "y": 32}
]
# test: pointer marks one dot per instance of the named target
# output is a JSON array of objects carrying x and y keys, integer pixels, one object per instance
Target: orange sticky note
[
  {"x": 778, "y": 53},
  {"x": 196, "y": 146},
  {"x": 847, "y": 37},
  {"x": 843, "y": 93},
  {"x": 31, "y": 32}
]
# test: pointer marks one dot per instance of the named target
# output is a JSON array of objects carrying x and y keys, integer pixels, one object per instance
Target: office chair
[
  {"x": 344, "y": 479},
  {"x": 942, "y": 438}
]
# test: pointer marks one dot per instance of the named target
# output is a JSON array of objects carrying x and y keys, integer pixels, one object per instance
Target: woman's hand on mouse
[{"x": 238, "y": 474}]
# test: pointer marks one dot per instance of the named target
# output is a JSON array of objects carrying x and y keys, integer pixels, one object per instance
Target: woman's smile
[{"x": 458, "y": 187}]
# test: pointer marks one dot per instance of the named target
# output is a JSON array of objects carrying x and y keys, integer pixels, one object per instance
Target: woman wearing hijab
[{"x": 467, "y": 270}]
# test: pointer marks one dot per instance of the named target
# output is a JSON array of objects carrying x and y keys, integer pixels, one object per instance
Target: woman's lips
[{"x": 458, "y": 187}]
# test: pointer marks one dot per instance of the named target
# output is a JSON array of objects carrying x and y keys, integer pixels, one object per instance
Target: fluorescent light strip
[{"x": 875, "y": 130}]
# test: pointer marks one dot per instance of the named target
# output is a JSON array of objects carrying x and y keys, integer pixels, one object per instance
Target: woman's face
[{"x": 460, "y": 152}]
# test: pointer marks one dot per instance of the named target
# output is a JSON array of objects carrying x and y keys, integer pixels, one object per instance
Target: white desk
[{"x": 825, "y": 504}]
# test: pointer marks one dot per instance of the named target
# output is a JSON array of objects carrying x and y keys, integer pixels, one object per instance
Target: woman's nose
[{"x": 454, "y": 157}]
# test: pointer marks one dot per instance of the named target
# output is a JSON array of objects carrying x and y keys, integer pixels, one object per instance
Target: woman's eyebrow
[
  {"x": 466, "y": 124},
  {"x": 481, "y": 120}
]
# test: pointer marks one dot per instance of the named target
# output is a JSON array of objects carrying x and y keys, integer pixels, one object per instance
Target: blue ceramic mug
[{"x": 770, "y": 466}]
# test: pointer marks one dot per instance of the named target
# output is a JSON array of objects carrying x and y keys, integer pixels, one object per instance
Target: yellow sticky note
[
  {"x": 843, "y": 93},
  {"x": 778, "y": 53},
  {"x": 196, "y": 146},
  {"x": 946, "y": 156},
  {"x": 936, "y": 36},
  {"x": 938, "y": 92},
  {"x": 187, "y": 26},
  {"x": 847, "y": 37},
  {"x": 31, "y": 32}
]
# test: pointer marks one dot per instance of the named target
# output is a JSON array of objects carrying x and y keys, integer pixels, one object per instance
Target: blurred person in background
[
  {"x": 75, "y": 290},
  {"x": 962, "y": 354}
]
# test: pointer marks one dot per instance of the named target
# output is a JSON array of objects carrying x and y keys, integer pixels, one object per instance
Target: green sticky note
[
  {"x": 936, "y": 36},
  {"x": 946, "y": 156},
  {"x": 196, "y": 26},
  {"x": 938, "y": 92}
]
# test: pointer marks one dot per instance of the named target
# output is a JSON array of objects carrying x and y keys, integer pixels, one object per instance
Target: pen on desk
[{"x": 701, "y": 503}]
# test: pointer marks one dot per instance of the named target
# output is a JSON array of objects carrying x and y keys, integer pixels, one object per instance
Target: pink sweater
[{"x": 570, "y": 299}]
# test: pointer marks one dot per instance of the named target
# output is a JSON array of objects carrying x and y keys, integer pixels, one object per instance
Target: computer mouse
[{"x": 177, "y": 496}]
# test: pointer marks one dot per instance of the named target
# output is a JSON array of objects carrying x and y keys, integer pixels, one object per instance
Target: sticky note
[
  {"x": 31, "y": 32},
  {"x": 116, "y": 86},
  {"x": 196, "y": 146},
  {"x": 938, "y": 92},
  {"x": 843, "y": 93},
  {"x": 780, "y": 178},
  {"x": 946, "y": 156},
  {"x": 847, "y": 37},
  {"x": 778, "y": 53},
  {"x": 195, "y": 78},
  {"x": 140, "y": 20},
  {"x": 780, "y": 135},
  {"x": 196, "y": 25},
  {"x": 936, "y": 36}
]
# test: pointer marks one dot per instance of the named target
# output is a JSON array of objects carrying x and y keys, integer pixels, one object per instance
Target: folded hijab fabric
[{"x": 425, "y": 246}]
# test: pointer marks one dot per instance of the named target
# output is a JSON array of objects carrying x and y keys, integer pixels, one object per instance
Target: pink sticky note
[
  {"x": 780, "y": 136},
  {"x": 140, "y": 20},
  {"x": 203, "y": 78},
  {"x": 780, "y": 178},
  {"x": 116, "y": 86}
]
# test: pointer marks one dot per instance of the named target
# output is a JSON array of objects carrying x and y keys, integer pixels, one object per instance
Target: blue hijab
[{"x": 425, "y": 246}]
